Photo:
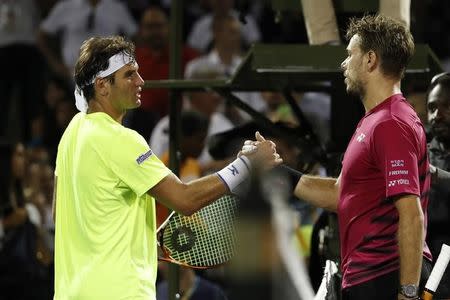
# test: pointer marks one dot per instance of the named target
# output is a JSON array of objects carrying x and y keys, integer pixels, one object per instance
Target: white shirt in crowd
[
  {"x": 211, "y": 63},
  {"x": 201, "y": 35},
  {"x": 18, "y": 21},
  {"x": 159, "y": 140},
  {"x": 110, "y": 17}
]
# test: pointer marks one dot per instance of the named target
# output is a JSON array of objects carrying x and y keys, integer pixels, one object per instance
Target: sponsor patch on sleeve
[{"x": 144, "y": 157}]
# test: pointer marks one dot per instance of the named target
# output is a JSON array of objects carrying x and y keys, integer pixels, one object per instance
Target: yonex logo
[
  {"x": 143, "y": 157},
  {"x": 398, "y": 182},
  {"x": 233, "y": 170}
]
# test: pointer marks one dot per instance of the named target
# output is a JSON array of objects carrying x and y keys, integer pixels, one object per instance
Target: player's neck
[
  {"x": 99, "y": 106},
  {"x": 379, "y": 91}
]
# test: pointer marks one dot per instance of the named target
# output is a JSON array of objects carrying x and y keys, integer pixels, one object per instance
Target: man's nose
[
  {"x": 435, "y": 115},
  {"x": 343, "y": 65},
  {"x": 140, "y": 81}
]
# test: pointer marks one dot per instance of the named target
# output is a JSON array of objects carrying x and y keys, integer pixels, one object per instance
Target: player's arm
[
  {"x": 318, "y": 191},
  {"x": 54, "y": 200},
  {"x": 187, "y": 198},
  {"x": 410, "y": 238},
  {"x": 43, "y": 43}
]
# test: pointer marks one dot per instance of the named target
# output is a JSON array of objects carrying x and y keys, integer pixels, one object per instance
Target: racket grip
[
  {"x": 437, "y": 272},
  {"x": 426, "y": 295},
  {"x": 292, "y": 172}
]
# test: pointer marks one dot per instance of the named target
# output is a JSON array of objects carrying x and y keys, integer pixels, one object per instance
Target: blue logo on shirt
[{"x": 143, "y": 157}]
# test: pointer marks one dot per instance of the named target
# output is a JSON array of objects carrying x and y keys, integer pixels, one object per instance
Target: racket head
[{"x": 204, "y": 240}]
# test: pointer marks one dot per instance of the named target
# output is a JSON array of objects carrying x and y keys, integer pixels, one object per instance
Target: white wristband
[{"x": 236, "y": 172}]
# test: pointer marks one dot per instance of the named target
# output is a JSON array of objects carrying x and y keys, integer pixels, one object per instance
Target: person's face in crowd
[
  {"x": 18, "y": 161},
  {"x": 221, "y": 6},
  {"x": 439, "y": 113},
  {"x": 125, "y": 91},
  {"x": 228, "y": 34},
  {"x": 192, "y": 146},
  {"x": 154, "y": 29},
  {"x": 273, "y": 100},
  {"x": 352, "y": 67},
  {"x": 206, "y": 103}
]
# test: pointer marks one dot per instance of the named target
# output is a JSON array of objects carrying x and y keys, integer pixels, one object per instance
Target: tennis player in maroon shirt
[{"x": 381, "y": 195}]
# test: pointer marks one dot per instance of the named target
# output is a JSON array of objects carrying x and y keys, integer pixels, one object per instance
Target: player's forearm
[
  {"x": 318, "y": 191},
  {"x": 43, "y": 44},
  {"x": 410, "y": 242},
  {"x": 202, "y": 192},
  {"x": 187, "y": 198}
]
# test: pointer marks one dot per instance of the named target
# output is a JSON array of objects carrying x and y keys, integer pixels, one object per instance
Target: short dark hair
[
  {"x": 193, "y": 122},
  {"x": 391, "y": 40},
  {"x": 442, "y": 79},
  {"x": 94, "y": 55}
]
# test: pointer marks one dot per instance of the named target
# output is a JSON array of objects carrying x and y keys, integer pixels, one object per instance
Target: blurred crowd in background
[{"x": 39, "y": 44}]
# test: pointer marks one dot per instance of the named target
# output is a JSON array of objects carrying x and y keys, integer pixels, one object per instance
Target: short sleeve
[
  {"x": 134, "y": 163},
  {"x": 397, "y": 155},
  {"x": 54, "y": 22}
]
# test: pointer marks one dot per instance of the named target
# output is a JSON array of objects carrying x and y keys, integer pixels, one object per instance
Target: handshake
[{"x": 262, "y": 153}]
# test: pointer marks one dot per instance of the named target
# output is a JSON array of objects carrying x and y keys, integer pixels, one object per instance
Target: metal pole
[{"x": 176, "y": 21}]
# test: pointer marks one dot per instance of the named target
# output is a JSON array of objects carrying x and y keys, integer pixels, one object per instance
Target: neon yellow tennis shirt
[{"x": 105, "y": 243}]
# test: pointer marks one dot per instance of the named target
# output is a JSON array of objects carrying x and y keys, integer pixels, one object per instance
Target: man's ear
[
  {"x": 101, "y": 86},
  {"x": 372, "y": 60}
]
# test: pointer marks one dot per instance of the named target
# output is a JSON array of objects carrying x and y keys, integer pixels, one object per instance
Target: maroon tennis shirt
[{"x": 386, "y": 157}]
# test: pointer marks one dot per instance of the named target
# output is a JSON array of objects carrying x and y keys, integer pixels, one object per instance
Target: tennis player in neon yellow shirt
[{"x": 107, "y": 179}]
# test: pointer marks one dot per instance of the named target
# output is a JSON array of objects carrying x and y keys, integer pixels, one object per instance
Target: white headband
[{"x": 115, "y": 63}]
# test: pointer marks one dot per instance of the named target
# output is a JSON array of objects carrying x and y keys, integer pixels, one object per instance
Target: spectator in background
[
  {"x": 225, "y": 57},
  {"x": 206, "y": 103},
  {"x": 320, "y": 18},
  {"x": 225, "y": 54},
  {"x": 439, "y": 153},
  {"x": 201, "y": 36},
  {"x": 49, "y": 125},
  {"x": 277, "y": 108},
  {"x": 152, "y": 55},
  {"x": 24, "y": 272},
  {"x": 192, "y": 286},
  {"x": 77, "y": 20},
  {"x": 12, "y": 200},
  {"x": 194, "y": 128},
  {"x": 22, "y": 65}
]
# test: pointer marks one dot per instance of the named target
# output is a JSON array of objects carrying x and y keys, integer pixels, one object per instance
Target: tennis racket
[
  {"x": 204, "y": 240},
  {"x": 437, "y": 273}
]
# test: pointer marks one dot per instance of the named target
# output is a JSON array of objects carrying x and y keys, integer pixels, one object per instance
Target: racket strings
[{"x": 205, "y": 238}]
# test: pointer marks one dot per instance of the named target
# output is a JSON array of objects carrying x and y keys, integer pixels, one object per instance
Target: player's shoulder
[{"x": 397, "y": 110}]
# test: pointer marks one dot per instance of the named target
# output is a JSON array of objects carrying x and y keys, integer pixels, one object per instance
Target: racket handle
[
  {"x": 437, "y": 272},
  {"x": 426, "y": 295}
]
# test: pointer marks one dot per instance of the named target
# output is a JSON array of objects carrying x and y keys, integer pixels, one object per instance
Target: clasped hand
[{"x": 262, "y": 152}]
